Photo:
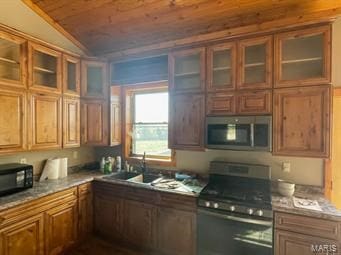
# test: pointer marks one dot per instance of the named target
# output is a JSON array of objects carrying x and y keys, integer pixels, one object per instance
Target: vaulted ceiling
[{"x": 114, "y": 25}]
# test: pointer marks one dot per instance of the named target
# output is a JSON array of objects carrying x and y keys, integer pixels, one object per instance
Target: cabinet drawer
[
  {"x": 307, "y": 225},
  {"x": 177, "y": 201},
  {"x": 221, "y": 104},
  {"x": 254, "y": 102},
  {"x": 84, "y": 189}
]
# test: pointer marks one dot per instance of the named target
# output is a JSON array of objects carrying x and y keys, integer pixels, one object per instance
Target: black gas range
[{"x": 235, "y": 212}]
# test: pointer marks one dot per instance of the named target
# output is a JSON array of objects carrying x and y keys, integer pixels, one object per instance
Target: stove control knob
[
  {"x": 259, "y": 213},
  {"x": 250, "y": 211},
  {"x": 232, "y": 208},
  {"x": 207, "y": 204},
  {"x": 215, "y": 205}
]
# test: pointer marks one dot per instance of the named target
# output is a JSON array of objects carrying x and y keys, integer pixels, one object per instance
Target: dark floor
[{"x": 97, "y": 246}]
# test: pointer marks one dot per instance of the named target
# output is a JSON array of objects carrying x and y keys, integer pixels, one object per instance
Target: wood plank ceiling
[{"x": 116, "y": 25}]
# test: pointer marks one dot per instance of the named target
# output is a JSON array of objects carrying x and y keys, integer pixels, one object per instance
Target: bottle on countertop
[
  {"x": 102, "y": 164},
  {"x": 126, "y": 166},
  {"x": 118, "y": 163},
  {"x": 108, "y": 166}
]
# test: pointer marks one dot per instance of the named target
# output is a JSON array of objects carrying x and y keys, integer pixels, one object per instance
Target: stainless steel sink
[
  {"x": 121, "y": 176},
  {"x": 145, "y": 178}
]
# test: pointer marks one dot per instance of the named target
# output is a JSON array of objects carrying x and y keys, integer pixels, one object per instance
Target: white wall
[{"x": 15, "y": 14}]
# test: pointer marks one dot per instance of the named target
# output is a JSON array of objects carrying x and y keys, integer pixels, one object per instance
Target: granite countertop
[
  {"x": 44, "y": 188},
  {"x": 286, "y": 204}
]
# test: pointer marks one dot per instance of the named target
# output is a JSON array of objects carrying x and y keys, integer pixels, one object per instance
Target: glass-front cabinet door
[
  {"x": 45, "y": 69},
  {"x": 71, "y": 75},
  {"x": 12, "y": 60},
  {"x": 221, "y": 67},
  {"x": 303, "y": 57},
  {"x": 187, "y": 70},
  {"x": 94, "y": 79},
  {"x": 255, "y": 63}
]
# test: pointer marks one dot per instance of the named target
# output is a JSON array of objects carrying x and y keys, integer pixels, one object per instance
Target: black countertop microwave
[
  {"x": 251, "y": 133},
  {"x": 15, "y": 177}
]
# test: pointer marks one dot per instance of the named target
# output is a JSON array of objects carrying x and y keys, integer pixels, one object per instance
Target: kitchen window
[{"x": 147, "y": 123}]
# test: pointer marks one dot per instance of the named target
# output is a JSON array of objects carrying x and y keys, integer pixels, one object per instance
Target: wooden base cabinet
[
  {"x": 85, "y": 211},
  {"x": 25, "y": 237}
]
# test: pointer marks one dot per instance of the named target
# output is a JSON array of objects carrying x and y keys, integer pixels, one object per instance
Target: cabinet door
[
  {"x": 255, "y": 63},
  {"x": 139, "y": 227},
  {"x": 187, "y": 70},
  {"x": 12, "y": 121},
  {"x": 71, "y": 122},
  {"x": 221, "y": 104},
  {"x": 94, "y": 122},
  {"x": 221, "y": 67},
  {"x": 254, "y": 102},
  {"x": 71, "y": 75},
  {"x": 94, "y": 79},
  {"x": 115, "y": 116},
  {"x": 13, "y": 69},
  {"x": 289, "y": 243},
  {"x": 108, "y": 216},
  {"x": 85, "y": 214},
  {"x": 187, "y": 114},
  {"x": 61, "y": 228},
  {"x": 45, "y": 121},
  {"x": 303, "y": 57},
  {"x": 25, "y": 237},
  {"x": 176, "y": 232},
  {"x": 302, "y": 121},
  {"x": 45, "y": 69}
]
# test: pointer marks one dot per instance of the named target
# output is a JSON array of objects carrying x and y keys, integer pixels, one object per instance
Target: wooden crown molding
[{"x": 55, "y": 25}]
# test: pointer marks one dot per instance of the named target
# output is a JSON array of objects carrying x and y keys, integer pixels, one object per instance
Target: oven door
[{"x": 232, "y": 234}]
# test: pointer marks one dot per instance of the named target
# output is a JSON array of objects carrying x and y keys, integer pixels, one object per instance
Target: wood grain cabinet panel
[
  {"x": 13, "y": 60},
  {"x": 61, "y": 227},
  {"x": 255, "y": 59},
  {"x": 85, "y": 212},
  {"x": 303, "y": 57},
  {"x": 24, "y": 237},
  {"x": 290, "y": 243},
  {"x": 94, "y": 80},
  {"x": 302, "y": 121},
  {"x": 187, "y": 70},
  {"x": 139, "y": 224},
  {"x": 254, "y": 102},
  {"x": 187, "y": 112},
  {"x": 94, "y": 122},
  {"x": 71, "y": 122},
  {"x": 221, "y": 67},
  {"x": 45, "y": 121},
  {"x": 71, "y": 75},
  {"x": 13, "y": 117},
  {"x": 221, "y": 104},
  {"x": 176, "y": 232}
]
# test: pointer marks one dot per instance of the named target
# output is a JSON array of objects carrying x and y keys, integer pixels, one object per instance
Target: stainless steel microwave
[
  {"x": 250, "y": 133},
  {"x": 15, "y": 177}
]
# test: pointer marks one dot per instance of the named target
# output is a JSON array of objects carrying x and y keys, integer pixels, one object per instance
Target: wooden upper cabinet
[
  {"x": 94, "y": 82},
  {"x": 94, "y": 122},
  {"x": 221, "y": 67},
  {"x": 187, "y": 120},
  {"x": 45, "y": 69},
  {"x": 13, "y": 65},
  {"x": 254, "y": 102},
  {"x": 221, "y": 104},
  {"x": 24, "y": 237},
  {"x": 13, "y": 118},
  {"x": 255, "y": 58},
  {"x": 71, "y": 122},
  {"x": 115, "y": 116},
  {"x": 45, "y": 129},
  {"x": 302, "y": 121},
  {"x": 303, "y": 57},
  {"x": 187, "y": 70},
  {"x": 71, "y": 75}
]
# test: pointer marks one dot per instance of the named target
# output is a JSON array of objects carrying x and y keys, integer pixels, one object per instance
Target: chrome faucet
[{"x": 143, "y": 163}]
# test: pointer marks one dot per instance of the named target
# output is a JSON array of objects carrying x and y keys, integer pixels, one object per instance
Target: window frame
[{"x": 129, "y": 91}]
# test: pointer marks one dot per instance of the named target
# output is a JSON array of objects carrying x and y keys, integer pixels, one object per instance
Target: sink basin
[
  {"x": 145, "y": 178},
  {"x": 121, "y": 176}
]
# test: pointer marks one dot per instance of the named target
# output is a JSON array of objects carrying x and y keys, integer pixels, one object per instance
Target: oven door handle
[{"x": 236, "y": 218}]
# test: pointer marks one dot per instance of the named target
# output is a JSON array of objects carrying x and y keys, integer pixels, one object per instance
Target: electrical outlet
[
  {"x": 23, "y": 161},
  {"x": 286, "y": 167},
  {"x": 75, "y": 154}
]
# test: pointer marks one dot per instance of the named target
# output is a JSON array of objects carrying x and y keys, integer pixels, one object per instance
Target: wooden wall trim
[
  {"x": 281, "y": 25},
  {"x": 55, "y": 25}
]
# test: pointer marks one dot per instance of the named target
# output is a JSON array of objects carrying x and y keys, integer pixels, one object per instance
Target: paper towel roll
[
  {"x": 51, "y": 169},
  {"x": 62, "y": 167}
]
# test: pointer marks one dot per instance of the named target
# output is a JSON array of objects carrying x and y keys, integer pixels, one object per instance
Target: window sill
[{"x": 153, "y": 161}]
